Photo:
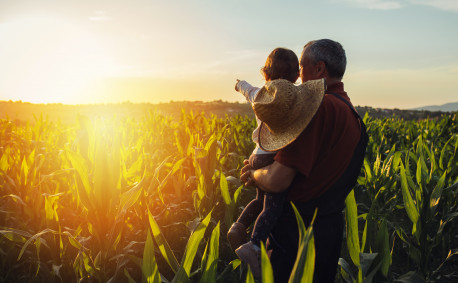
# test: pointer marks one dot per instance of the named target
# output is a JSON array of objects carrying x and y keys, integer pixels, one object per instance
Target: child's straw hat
[{"x": 285, "y": 109}]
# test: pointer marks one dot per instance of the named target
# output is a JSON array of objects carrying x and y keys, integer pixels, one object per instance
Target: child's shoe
[
  {"x": 251, "y": 255},
  {"x": 237, "y": 235}
]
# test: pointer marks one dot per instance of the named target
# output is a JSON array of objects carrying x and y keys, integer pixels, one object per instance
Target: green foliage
[
  {"x": 304, "y": 265},
  {"x": 210, "y": 259},
  {"x": 267, "y": 273},
  {"x": 150, "y": 270},
  {"x": 407, "y": 197},
  {"x": 121, "y": 199}
]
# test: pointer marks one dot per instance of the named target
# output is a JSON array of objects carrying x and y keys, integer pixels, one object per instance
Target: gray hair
[{"x": 330, "y": 52}]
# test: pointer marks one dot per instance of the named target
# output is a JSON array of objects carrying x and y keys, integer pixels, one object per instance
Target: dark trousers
[
  {"x": 328, "y": 234},
  {"x": 327, "y": 228},
  {"x": 266, "y": 208}
]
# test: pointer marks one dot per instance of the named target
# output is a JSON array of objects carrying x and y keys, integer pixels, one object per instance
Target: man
[{"x": 319, "y": 167}]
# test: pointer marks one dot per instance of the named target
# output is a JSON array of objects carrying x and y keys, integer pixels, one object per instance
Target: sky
[{"x": 400, "y": 53}]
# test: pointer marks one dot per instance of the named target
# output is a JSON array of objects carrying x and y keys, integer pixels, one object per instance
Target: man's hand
[{"x": 246, "y": 174}]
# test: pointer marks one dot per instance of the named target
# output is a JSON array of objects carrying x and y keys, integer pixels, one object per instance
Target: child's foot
[
  {"x": 237, "y": 235},
  {"x": 251, "y": 255}
]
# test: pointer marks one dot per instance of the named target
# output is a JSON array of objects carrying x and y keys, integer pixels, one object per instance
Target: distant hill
[{"x": 448, "y": 107}]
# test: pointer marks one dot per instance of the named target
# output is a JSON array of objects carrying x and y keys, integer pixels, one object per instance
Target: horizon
[
  {"x": 200, "y": 101},
  {"x": 400, "y": 53}
]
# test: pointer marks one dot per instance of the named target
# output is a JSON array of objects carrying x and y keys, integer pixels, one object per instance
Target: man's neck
[{"x": 332, "y": 81}]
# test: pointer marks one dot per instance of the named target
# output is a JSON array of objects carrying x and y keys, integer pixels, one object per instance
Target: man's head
[{"x": 323, "y": 58}]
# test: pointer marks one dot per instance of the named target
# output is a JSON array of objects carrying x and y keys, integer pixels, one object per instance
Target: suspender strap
[
  {"x": 363, "y": 126},
  {"x": 346, "y": 102}
]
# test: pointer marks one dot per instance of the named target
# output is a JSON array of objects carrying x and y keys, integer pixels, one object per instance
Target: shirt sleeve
[{"x": 248, "y": 90}]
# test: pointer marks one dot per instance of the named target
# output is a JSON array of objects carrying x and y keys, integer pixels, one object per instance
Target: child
[{"x": 266, "y": 208}]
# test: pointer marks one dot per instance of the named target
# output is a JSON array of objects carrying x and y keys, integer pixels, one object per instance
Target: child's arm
[{"x": 247, "y": 90}]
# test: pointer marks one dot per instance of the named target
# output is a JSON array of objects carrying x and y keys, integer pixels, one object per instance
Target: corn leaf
[
  {"x": 82, "y": 179},
  {"x": 224, "y": 189},
  {"x": 436, "y": 194},
  {"x": 383, "y": 247},
  {"x": 351, "y": 217},
  {"x": 249, "y": 276},
  {"x": 14, "y": 236},
  {"x": 190, "y": 251},
  {"x": 267, "y": 272},
  {"x": 150, "y": 271},
  {"x": 33, "y": 238},
  {"x": 443, "y": 152},
  {"x": 72, "y": 240},
  {"x": 211, "y": 259},
  {"x": 129, "y": 278},
  {"x": 4, "y": 163},
  {"x": 130, "y": 197},
  {"x": 368, "y": 170},
  {"x": 164, "y": 247},
  {"x": 411, "y": 208},
  {"x": 346, "y": 271},
  {"x": 304, "y": 265},
  {"x": 102, "y": 179}
]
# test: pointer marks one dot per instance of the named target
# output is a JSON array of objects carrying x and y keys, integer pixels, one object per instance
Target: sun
[{"x": 51, "y": 60}]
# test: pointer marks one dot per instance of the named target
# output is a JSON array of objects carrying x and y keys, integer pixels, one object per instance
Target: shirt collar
[{"x": 338, "y": 88}]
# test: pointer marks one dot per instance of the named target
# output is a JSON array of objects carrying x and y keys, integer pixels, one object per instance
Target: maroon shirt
[{"x": 324, "y": 149}]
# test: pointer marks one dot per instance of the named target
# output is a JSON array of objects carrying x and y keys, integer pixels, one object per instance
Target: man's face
[{"x": 306, "y": 69}]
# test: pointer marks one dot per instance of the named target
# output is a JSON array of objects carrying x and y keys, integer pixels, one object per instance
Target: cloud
[
  {"x": 100, "y": 16},
  {"x": 447, "y": 5},
  {"x": 375, "y": 4}
]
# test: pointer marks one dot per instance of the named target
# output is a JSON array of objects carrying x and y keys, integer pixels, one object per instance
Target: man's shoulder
[
  {"x": 331, "y": 103},
  {"x": 334, "y": 112},
  {"x": 336, "y": 99}
]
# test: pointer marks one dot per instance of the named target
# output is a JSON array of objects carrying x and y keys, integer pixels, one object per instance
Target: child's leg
[
  {"x": 252, "y": 210},
  {"x": 261, "y": 160},
  {"x": 273, "y": 207}
]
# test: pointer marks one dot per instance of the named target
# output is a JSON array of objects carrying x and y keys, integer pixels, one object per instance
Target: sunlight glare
[{"x": 51, "y": 60}]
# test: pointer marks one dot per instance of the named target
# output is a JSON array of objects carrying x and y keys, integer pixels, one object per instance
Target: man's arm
[{"x": 274, "y": 178}]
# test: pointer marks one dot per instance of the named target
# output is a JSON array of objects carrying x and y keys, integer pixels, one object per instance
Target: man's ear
[{"x": 320, "y": 69}]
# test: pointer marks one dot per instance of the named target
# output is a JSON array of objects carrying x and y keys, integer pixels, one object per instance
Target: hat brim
[{"x": 310, "y": 95}]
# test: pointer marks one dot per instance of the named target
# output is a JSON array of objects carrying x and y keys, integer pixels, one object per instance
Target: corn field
[{"x": 151, "y": 200}]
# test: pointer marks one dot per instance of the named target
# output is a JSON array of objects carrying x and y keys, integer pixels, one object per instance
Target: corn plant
[
  {"x": 422, "y": 191},
  {"x": 367, "y": 263},
  {"x": 148, "y": 200}
]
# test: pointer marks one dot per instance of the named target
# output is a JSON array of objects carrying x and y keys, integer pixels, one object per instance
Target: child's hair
[{"x": 281, "y": 63}]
